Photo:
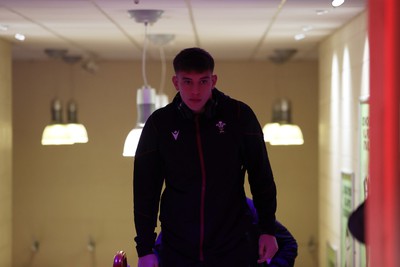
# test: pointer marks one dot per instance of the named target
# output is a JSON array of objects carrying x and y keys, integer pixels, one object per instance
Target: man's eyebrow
[{"x": 201, "y": 78}]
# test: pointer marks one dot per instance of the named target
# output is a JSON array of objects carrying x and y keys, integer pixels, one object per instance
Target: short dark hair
[{"x": 193, "y": 59}]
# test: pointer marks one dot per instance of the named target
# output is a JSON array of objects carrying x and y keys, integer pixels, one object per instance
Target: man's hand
[
  {"x": 267, "y": 247},
  {"x": 149, "y": 260}
]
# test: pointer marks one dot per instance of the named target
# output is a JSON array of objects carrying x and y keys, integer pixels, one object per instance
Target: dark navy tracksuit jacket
[{"x": 203, "y": 160}]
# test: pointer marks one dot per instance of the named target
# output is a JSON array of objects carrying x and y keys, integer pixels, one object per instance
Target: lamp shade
[
  {"x": 283, "y": 134},
  {"x": 131, "y": 142},
  {"x": 282, "y": 131},
  {"x": 145, "y": 105},
  {"x": 76, "y": 131},
  {"x": 56, "y": 133},
  {"x": 161, "y": 100},
  {"x": 270, "y": 130}
]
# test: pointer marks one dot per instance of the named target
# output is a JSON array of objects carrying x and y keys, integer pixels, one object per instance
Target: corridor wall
[{"x": 343, "y": 97}]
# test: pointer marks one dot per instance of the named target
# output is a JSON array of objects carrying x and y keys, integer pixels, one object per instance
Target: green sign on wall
[
  {"x": 347, "y": 240},
  {"x": 364, "y": 165}
]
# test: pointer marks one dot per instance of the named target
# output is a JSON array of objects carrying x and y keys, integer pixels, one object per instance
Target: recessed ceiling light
[
  {"x": 299, "y": 36},
  {"x": 307, "y": 28},
  {"x": 3, "y": 27},
  {"x": 321, "y": 12},
  {"x": 19, "y": 37},
  {"x": 337, "y": 3}
]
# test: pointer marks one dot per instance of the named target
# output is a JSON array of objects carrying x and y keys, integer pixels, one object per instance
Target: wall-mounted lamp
[{"x": 281, "y": 131}]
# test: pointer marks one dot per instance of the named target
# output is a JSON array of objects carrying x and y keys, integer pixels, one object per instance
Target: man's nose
[{"x": 196, "y": 89}]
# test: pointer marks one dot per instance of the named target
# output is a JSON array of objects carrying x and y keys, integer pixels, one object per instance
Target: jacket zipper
[{"x": 203, "y": 187}]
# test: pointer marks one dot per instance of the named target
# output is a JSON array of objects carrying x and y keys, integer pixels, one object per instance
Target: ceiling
[{"x": 229, "y": 29}]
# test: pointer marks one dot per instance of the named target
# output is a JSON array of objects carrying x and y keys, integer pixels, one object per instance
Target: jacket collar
[{"x": 210, "y": 107}]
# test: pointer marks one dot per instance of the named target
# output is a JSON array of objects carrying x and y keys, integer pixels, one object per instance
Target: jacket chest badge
[
  {"x": 175, "y": 134},
  {"x": 221, "y": 126}
]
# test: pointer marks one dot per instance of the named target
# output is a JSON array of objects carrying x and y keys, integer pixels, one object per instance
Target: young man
[{"x": 201, "y": 145}]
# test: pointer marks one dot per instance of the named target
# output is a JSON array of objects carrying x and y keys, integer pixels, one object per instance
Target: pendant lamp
[
  {"x": 145, "y": 105},
  {"x": 161, "y": 40},
  {"x": 281, "y": 131},
  {"x": 146, "y": 95},
  {"x": 77, "y": 131},
  {"x": 56, "y": 132}
]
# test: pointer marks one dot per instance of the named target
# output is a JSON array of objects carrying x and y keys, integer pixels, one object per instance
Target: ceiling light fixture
[
  {"x": 281, "y": 131},
  {"x": 321, "y": 12},
  {"x": 161, "y": 40},
  {"x": 146, "y": 16},
  {"x": 56, "y": 132},
  {"x": 299, "y": 36},
  {"x": 76, "y": 131},
  {"x": 146, "y": 95},
  {"x": 282, "y": 55},
  {"x": 19, "y": 37},
  {"x": 55, "y": 53},
  {"x": 307, "y": 28},
  {"x": 337, "y": 3},
  {"x": 3, "y": 27}
]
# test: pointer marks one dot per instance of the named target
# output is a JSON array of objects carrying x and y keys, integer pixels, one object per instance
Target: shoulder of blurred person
[{"x": 356, "y": 223}]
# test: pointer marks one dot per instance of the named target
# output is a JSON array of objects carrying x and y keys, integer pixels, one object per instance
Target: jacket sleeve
[
  {"x": 287, "y": 252},
  {"x": 260, "y": 177},
  {"x": 147, "y": 185}
]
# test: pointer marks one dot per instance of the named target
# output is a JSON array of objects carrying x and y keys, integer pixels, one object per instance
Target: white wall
[{"x": 343, "y": 82}]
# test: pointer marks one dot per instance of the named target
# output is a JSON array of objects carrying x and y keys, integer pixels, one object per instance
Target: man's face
[{"x": 195, "y": 88}]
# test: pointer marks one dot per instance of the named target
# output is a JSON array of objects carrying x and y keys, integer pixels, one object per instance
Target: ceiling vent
[{"x": 282, "y": 55}]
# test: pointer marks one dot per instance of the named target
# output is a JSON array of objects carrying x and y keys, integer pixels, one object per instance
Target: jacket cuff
[{"x": 145, "y": 246}]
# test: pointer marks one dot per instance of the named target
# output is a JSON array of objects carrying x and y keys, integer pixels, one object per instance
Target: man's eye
[
  {"x": 204, "y": 82},
  {"x": 187, "y": 82}
]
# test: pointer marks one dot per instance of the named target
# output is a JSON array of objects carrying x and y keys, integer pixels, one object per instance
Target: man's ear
[
  {"x": 175, "y": 82},
  {"x": 214, "y": 79}
]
